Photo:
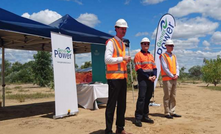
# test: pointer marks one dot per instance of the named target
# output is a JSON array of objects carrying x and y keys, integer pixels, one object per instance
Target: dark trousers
[
  {"x": 117, "y": 93},
  {"x": 146, "y": 88}
]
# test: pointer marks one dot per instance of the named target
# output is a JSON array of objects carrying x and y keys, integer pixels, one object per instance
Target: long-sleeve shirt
[
  {"x": 145, "y": 58},
  {"x": 166, "y": 68},
  {"x": 109, "y": 59}
]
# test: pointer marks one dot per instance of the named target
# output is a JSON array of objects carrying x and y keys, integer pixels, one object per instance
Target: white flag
[{"x": 165, "y": 31}]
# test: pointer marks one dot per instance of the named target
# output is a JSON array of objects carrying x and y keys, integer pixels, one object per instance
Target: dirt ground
[{"x": 200, "y": 109}]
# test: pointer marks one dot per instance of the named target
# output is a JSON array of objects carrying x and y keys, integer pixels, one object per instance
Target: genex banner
[
  {"x": 165, "y": 31},
  {"x": 64, "y": 75}
]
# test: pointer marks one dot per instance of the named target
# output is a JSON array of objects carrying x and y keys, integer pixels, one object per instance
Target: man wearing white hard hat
[
  {"x": 169, "y": 73},
  {"x": 146, "y": 74},
  {"x": 116, "y": 74}
]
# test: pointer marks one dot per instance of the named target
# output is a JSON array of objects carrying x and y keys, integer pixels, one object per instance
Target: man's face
[
  {"x": 145, "y": 46},
  {"x": 169, "y": 48},
  {"x": 121, "y": 31}
]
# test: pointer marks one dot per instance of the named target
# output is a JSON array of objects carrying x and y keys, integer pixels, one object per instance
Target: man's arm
[{"x": 109, "y": 53}]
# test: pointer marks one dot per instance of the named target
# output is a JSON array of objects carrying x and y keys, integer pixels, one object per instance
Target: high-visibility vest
[
  {"x": 171, "y": 65},
  {"x": 119, "y": 70},
  {"x": 145, "y": 61}
]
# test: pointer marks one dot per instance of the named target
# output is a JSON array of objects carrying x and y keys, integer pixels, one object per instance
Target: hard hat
[
  {"x": 145, "y": 39},
  {"x": 121, "y": 23},
  {"x": 169, "y": 42}
]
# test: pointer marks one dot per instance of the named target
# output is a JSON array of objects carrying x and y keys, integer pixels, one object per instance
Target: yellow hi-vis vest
[
  {"x": 171, "y": 65},
  {"x": 119, "y": 70}
]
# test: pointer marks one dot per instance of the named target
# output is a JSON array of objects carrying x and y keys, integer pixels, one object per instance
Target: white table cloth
[{"x": 88, "y": 94}]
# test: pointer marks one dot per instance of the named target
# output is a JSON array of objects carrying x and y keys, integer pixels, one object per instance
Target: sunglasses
[{"x": 146, "y": 44}]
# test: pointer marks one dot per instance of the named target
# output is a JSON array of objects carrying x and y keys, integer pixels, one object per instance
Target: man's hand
[
  {"x": 175, "y": 77},
  {"x": 127, "y": 58},
  {"x": 152, "y": 78}
]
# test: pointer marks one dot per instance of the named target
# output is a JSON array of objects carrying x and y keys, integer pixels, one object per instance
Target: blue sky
[{"x": 197, "y": 34}]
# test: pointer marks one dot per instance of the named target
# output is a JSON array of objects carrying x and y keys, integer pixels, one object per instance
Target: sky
[{"x": 197, "y": 34}]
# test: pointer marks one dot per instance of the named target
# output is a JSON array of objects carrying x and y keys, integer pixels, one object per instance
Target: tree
[
  {"x": 183, "y": 74},
  {"x": 42, "y": 69},
  {"x": 195, "y": 72},
  {"x": 86, "y": 64},
  {"x": 20, "y": 73},
  {"x": 76, "y": 66},
  {"x": 212, "y": 71}
]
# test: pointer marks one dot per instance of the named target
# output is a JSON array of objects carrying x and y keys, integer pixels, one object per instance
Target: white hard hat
[
  {"x": 145, "y": 39},
  {"x": 169, "y": 42},
  {"x": 121, "y": 23}
]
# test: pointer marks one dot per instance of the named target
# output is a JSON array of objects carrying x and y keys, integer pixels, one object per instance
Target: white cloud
[
  {"x": 82, "y": 58},
  {"x": 188, "y": 59},
  {"x": 195, "y": 27},
  {"x": 209, "y": 8},
  {"x": 127, "y": 2},
  {"x": 76, "y": 1},
  {"x": 206, "y": 43},
  {"x": 88, "y": 19},
  {"x": 151, "y": 2},
  {"x": 142, "y": 34},
  {"x": 22, "y": 56},
  {"x": 186, "y": 44},
  {"x": 216, "y": 38},
  {"x": 46, "y": 16},
  {"x": 192, "y": 28}
]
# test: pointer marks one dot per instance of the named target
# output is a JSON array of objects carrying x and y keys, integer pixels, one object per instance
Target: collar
[
  {"x": 118, "y": 39},
  {"x": 169, "y": 53},
  {"x": 142, "y": 51}
]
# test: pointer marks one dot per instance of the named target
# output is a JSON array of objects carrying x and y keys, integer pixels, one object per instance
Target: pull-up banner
[
  {"x": 64, "y": 76},
  {"x": 165, "y": 31}
]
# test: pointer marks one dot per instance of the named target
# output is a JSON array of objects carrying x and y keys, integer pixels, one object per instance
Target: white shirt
[{"x": 109, "y": 59}]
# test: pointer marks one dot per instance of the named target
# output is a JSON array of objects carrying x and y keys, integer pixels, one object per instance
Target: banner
[
  {"x": 165, "y": 31},
  {"x": 64, "y": 75}
]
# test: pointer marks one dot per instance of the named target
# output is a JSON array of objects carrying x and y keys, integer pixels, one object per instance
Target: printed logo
[
  {"x": 63, "y": 53},
  {"x": 166, "y": 33}
]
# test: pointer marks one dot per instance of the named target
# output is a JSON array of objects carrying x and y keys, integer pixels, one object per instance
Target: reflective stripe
[
  {"x": 119, "y": 72},
  {"x": 148, "y": 70},
  {"x": 118, "y": 53},
  {"x": 143, "y": 63},
  {"x": 137, "y": 63}
]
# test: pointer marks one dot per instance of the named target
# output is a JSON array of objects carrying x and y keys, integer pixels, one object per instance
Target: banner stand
[{"x": 66, "y": 103}]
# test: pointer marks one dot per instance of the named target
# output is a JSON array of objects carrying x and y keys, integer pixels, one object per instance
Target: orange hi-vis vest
[
  {"x": 171, "y": 65},
  {"x": 144, "y": 61},
  {"x": 119, "y": 70}
]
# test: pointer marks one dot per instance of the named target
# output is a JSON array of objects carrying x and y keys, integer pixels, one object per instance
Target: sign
[
  {"x": 64, "y": 75},
  {"x": 165, "y": 31}
]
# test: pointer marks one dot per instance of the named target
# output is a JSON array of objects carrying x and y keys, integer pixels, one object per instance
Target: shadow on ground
[{"x": 20, "y": 111}]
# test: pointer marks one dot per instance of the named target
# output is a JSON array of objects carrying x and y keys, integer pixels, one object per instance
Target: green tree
[
  {"x": 212, "y": 71},
  {"x": 86, "y": 64},
  {"x": 42, "y": 69},
  {"x": 195, "y": 72},
  {"x": 76, "y": 66}
]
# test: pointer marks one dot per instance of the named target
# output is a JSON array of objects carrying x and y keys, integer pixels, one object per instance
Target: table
[{"x": 89, "y": 94}]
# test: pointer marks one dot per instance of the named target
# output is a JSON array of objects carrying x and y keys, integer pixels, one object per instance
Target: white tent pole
[
  {"x": 3, "y": 75},
  {"x": 131, "y": 74}
]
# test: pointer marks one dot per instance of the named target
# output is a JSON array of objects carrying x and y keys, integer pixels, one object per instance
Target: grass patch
[
  {"x": 29, "y": 96},
  {"x": 8, "y": 92},
  {"x": 22, "y": 90},
  {"x": 214, "y": 88},
  {"x": 18, "y": 87},
  {"x": 7, "y": 88}
]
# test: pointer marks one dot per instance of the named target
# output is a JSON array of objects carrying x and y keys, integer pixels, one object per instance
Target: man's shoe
[
  {"x": 148, "y": 120},
  {"x": 169, "y": 117},
  {"x": 138, "y": 123},
  {"x": 176, "y": 115},
  {"x": 122, "y": 132}
]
